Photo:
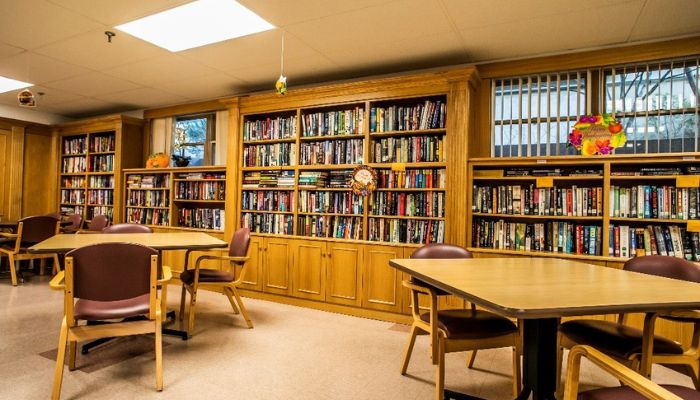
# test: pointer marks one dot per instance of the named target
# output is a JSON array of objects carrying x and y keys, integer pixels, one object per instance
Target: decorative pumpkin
[{"x": 158, "y": 160}]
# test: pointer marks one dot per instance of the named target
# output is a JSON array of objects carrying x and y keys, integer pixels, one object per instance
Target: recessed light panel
[
  {"x": 8, "y": 85},
  {"x": 196, "y": 24}
]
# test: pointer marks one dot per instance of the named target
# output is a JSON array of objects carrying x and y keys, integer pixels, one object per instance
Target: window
[
  {"x": 657, "y": 104},
  {"x": 532, "y": 115},
  {"x": 194, "y": 137}
]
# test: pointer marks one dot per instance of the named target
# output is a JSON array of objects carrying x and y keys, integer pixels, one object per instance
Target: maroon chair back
[
  {"x": 98, "y": 223},
  {"x": 127, "y": 228},
  {"x": 111, "y": 271},
  {"x": 239, "y": 243},
  {"x": 666, "y": 266},
  {"x": 438, "y": 250},
  {"x": 38, "y": 228},
  {"x": 76, "y": 222},
  {"x": 55, "y": 215}
]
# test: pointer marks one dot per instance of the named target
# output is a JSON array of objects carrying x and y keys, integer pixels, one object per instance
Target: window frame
[{"x": 210, "y": 135}]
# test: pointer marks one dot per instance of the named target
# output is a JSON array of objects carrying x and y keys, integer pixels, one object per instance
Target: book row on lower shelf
[
  {"x": 333, "y": 123},
  {"x": 270, "y": 128},
  {"x": 411, "y": 179},
  {"x": 73, "y": 165},
  {"x": 666, "y": 240},
  {"x": 268, "y": 155},
  {"x": 149, "y": 198},
  {"x": 104, "y": 163},
  {"x": 647, "y": 201},
  {"x": 424, "y": 115},
  {"x": 74, "y": 145},
  {"x": 267, "y": 200},
  {"x": 72, "y": 209},
  {"x": 331, "y": 152},
  {"x": 405, "y": 230},
  {"x": 148, "y": 216},
  {"x": 557, "y": 237},
  {"x": 278, "y": 224},
  {"x": 529, "y": 200},
  {"x": 100, "y": 181},
  {"x": 330, "y": 226},
  {"x": 100, "y": 196},
  {"x": 72, "y": 196},
  {"x": 330, "y": 202},
  {"x": 200, "y": 190},
  {"x": 418, "y": 204},
  {"x": 201, "y": 218},
  {"x": 99, "y": 210},
  {"x": 409, "y": 149},
  {"x": 102, "y": 144},
  {"x": 268, "y": 179}
]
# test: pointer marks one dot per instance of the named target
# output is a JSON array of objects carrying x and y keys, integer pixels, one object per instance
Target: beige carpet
[{"x": 293, "y": 353}]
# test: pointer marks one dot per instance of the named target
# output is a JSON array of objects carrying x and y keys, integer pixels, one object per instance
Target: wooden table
[{"x": 540, "y": 291}]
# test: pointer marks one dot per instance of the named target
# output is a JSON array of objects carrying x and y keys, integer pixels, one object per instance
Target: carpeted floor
[{"x": 293, "y": 353}]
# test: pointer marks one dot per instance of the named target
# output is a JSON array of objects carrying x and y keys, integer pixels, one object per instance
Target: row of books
[
  {"x": 333, "y": 123},
  {"x": 409, "y": 149},
  {"x": 200, "y": 190},
  {"x": 74, "y": 145},
  {"x": 148, "y": 216},
  {"x": 68, "y": 210},
  {"x": 655, "y": 171},
  {"x": 101, "y": 144},
  {"x": 313, "y": 179},
  {"x": 278, "y": 224},
  {"x": 428, "y": 115},
  {"x": 330, "y": 226},
  {"x": 412, "y": 204},
  {"x": 269, "y": 155},
  {"x": 329, "y": 202},
  {"x": 73, "y": 165},
  {"x": 646, "y": 201},
  {"x": 202, "y": 175},
  {"x": 72, "y": 196},
  {"x": 148, "y": 181},
  {"x": 104, "y": 163},
  {"x": 201, "y": 218},
  {"x": 73, "y": 181},
  {"x": 331, "y": 152},
  {"x": 666, "y": 240},
  {"x": 267, "y": 200},
  {"x": 99, "y": 210},
  {"x": 558, "y": 237},
  {"x": 148, "y": 198},
  {"x": 529, "y": 200},
  {"x": 578, "y": 171},
  {"x": 100, "y": 196},
  {"x": 270, "y": 128},
  {"x": 268, "y": 179},
  {"x": 405, "y": 230},
  {"x": 100, "y": 181},
  {"x": 411, "y": 179}
]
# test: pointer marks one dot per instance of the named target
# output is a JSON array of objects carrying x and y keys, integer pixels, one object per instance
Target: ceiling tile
[
  {"x": 86, "y": 107},
  {"x": 664, "y": 18},
  {"x": 91, "y": 50},
  {"x": 30, "y": 24},
  {"x": 205, "y": 87},
  {"x": 284, "y": 12},
  {"x": 143, "y": 98},
  {"x": 6, "y": 50},
  {"x": 298, "y": 71},
  {"x": 166, "y": 68},
  {"x": 92, "y": 84},
  {"x": 37, "y": 69},
  {"x": 118, "y": 12}
]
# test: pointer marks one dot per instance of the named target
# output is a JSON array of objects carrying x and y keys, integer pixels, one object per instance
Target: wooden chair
[
  {"x": 97, "y": 224},
  {"x": 110, "y": 281},
  {"x": 456, "y": 330},
  {"x": 640, "y": 348},
  {"x": 30, "y": 230},
  {"x": 193, "y": 280},
  {"x": 637, "y": 387},
  {"x": 76, "y": 223}
]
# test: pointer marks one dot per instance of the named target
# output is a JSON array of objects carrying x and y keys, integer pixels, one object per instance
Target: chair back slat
[
  {"x": 239, "y": 243},
  {"x": 127, "y": 228},
  {"x": 38, "y": 228},
  {"x": 665, "y": 266},
  {"x": 111, "y": 271},
  {"x": 98, "y": 223}
]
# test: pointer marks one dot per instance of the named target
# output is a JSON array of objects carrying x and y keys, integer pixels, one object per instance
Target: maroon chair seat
[
  {"x": 92, "y": 310},
  {"x": 618, "y": 340},
  {"x": 206, "y": 275},
  {"x": 626, "y": 393},
  {"x": 472, "y": 324}
]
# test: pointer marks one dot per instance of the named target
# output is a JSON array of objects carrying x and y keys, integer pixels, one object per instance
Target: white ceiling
[{"x": 60, "y": 44}]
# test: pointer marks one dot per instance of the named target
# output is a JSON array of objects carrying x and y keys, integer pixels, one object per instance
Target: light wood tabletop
[{"x": 158, "y": 241}]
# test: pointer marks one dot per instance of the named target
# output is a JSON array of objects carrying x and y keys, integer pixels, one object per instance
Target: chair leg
[
  {"x": 190, "y": 317},
  {"x": 694, "y": 374},
  {"x": 60, "y": 359},
  {"x": 244, "y": 312},
  {"x": 182, "y": 303},
  {"x": 42, "y": 266},
  {"x": 72, "y": 346},
  {"x": 472, "y": 358},
  {"x": 409, "y": 349},
  {"x": 560, "y": 361},
  {"x": 159, "y": 354},
  {"x": 229, "y": 294},
  {"x": 13, "y": 271},
  {"x": 440, "y": 371},
  {"x": 517, "y": 380},
  {"x": 164, "y": 302},
  {"x": 56, "y": 264}
]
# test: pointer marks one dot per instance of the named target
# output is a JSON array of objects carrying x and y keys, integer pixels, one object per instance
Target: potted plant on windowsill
[{"x": 180, "y": 138}]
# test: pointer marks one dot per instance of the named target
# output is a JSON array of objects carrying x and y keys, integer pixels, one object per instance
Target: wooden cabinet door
[
  {"x": 253, "y": 267},
  {"x": 5, "y": 166},
  {"x": 308, "y": 269},
  {"x": 381, "y": 283},
  {"x": 277, "y": 259},
  {"x": 344, "y": 273}
]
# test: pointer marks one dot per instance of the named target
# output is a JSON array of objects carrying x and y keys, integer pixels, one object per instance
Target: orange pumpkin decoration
[{"x": 158, "y": 160}]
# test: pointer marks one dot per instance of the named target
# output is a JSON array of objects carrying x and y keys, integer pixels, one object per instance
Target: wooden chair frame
[
  {"x": 14, "y": 254},
  {"x": 689, "y": 361},
  {"x": 627, "y": 376},
  {"x": 230, "y": 289},
  {"x": 71, "y": 333},
  {"x": 440, "y": 344}
]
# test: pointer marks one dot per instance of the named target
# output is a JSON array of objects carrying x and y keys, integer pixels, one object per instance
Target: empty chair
[
  {"x": 30, "y": 231},
  {"x": 456, "y": 330},
  {"x": 193, "y": 279},
  {"x": 98, "y": 223},
  {"x": 108, "y": 281},
  {"x": 127, "y": 228},
  {"x": 76, "y": 223}
]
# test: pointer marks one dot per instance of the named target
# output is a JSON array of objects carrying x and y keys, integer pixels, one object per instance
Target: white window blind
[{"x": 532, "y": 115}]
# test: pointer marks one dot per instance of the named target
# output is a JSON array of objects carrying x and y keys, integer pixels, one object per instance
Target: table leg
[{"x": 539, "y": 358}]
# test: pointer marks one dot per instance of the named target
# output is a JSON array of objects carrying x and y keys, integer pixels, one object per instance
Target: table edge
[{"x": 189, "y": 247}]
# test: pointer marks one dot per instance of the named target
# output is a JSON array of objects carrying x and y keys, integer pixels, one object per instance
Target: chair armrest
[
  {"x": 167, "y": 275},
  {"x": 418, "y": 288},
  {"x": 238, "y": 260},
  {"x": 57, "y": 282},
  {"x": 8, "y": 235},
  {"x": 637, "y": 382}
]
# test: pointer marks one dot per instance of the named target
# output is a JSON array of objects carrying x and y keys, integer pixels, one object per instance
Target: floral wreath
[
  {"x": 364, "y": 180},
  {"x": 600, "y": 134}
]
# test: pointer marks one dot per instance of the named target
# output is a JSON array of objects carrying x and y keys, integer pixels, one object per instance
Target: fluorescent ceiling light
[
  {"x": 196, "y": 24},
  {"x": 8, "y": 85}
]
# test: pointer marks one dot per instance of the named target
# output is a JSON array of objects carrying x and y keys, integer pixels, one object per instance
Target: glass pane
[
  {"x": 195, "y": 129},
  {"x": 196, "y": 154}
]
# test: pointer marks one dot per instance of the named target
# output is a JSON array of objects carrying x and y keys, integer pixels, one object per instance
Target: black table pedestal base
[{"x": 539, "y": 358}]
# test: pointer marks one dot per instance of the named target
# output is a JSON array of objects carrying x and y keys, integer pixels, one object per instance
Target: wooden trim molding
[{"x": 181, "y": 109}]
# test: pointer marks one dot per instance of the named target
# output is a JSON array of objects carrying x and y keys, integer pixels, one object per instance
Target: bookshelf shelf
[
  {"x": 269, "y": 141},
  {"x": 652, "y": 220},
  {"x": 409, "y": 189},
  {"x": 198, "y": 201},
  {"x": 259, "y": 189},
  {"x": 267, "y": 212},
  {"x": 407, "y": 217},
  {"x": 538, "y": 217},
  {"x": 330, "y": 137},
  {"x": 534, "y": 178},
  {"x": 418, "y": 132}
]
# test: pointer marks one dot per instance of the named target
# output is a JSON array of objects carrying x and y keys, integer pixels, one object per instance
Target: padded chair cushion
[
  {"x": 101, "y": 310},
  {"x": 468, "y": 324},
  {"x": 206, "y": 275},
  {"x": 626, "y": 393},
  {"x": 621, "y": 341}
]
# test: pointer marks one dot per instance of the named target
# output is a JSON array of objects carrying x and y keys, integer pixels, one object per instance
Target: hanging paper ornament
[
  {"x": 26, "y": 98},
  {"x": 281, "y": 85}
]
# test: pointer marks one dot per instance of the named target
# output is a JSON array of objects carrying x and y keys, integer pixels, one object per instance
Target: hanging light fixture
[{"x": 281, "y": 84}]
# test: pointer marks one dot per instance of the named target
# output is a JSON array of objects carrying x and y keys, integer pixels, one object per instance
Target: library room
[{"x": 350, "y": 200}]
